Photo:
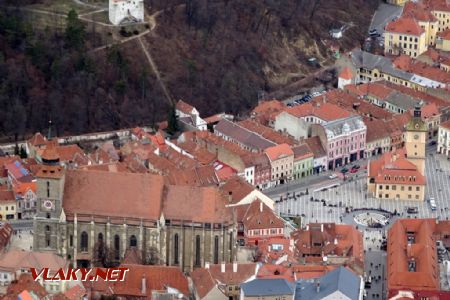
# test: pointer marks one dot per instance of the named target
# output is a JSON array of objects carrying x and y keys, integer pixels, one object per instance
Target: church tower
[
  {"x": 415, "y": 140},
  {"x": 50, "y": 185}
]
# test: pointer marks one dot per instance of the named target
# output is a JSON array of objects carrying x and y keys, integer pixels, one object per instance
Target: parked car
[
  {"x": 412, "y": 210},
  {"x": 432, "y": 143},
  {"x": 332, "y": 176},
  {"x": 344, "y": 170},
  {"x": 432, "y": 202},
  {"x": 373, "y": 31},
  {"x": 353, "y": 170},
  {"x": 356, "y": 167}
]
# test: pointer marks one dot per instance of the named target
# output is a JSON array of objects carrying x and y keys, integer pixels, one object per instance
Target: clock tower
[
  {"x": 50, "y": 185},
  {"x": 415, "y": 140}
]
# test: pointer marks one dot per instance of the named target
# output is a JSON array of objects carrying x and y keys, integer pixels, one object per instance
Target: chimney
[
  {"x": 260, "y": 206},
  {"x": 144, "y": 285},
  {"x": 321, "y": 227},
  {"x": 317, "y": 286},
  {"x": 206, "y": 265},
  {"x": 235, "y": 266},
  {"x": 222, "y": 267}
]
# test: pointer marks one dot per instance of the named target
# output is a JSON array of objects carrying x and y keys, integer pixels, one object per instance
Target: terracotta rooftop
[
  {"x": 5, "y": 235},
  {"x": 324, "y": 111},
  {"x": 405, "y": 25},
  {"x": 279, "y": 151},
  {"x": 76, "y": 292},
  {"x": 157, "y": 278},
  {"x": 257, "y": 215},
  {"x": 50, "y": 153},
  {"x": 69, "y": 152},
  {"x": 197, "y": 204},
  {"x": 38, "y": 140},
  {"x": 4, "y": 161},
  {"x": 206, "y": 278},
  {"x": 7, "y": 196},
  {"x": 198, "y": 176},
  {"x": 24, "y": 283},
  {"x": 237, "y": 188},
  {"x": 418, "y": 11},
  {"x": 181, "y": 161},
  {"x": 324, "y": 239},
  {"x": 375, "y": 89},
  {"x": 437, "y": 5},
  {"x": 422, "y": 251},
  {"x": 15, "y": 259},
  {"x": 108, "y": 167},
  {"x": 302, "y": 151},
  {"x": 406, "y": 63},
  {"x": 267, "y": 132},
  {"x": 109, "y": 194},
  {"x": 316, "y": 146},
  {"x": 184, "y": 107},
  {"x": 445, "y": 35},
  {"x": 266, "y": 111},
  {"x": 376, "y": 129},
  {"x": 346, "y": 74},
  {"x": 201, "y": 154},
  {"x": 445, "y": 124}
]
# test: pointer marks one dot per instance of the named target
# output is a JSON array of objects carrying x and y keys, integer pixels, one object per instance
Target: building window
[
  {"x": 386, "y": 196},
  {"x": 133, "y": 241},
  {"x": 117, "y": 247},
  {"x": 216, "y": 249},
  {"x": 70, "y": 240},
  {"x": 197, "y": 251},
  {"x": 47, "y": 236},
  {"x": 48, "y": 189},
  {"x": 409, "y": 188},
  {"x": 417, "y": 188},
  {"x": 394, "y": 187},
  {"x": 175, "y": 249},
  {"x": 84, "y": 241}
]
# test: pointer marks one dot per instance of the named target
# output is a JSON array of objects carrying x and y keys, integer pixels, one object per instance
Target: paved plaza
[{"x": 333, "y": 204}]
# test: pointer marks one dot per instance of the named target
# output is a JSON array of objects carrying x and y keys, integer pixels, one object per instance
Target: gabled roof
[
  {"x": 405, "y": 25},
  {"x": 346, "y": 74},
  {"x": 316, "y": 147},
  {"x": 257, "y": 215},
  {"x": 157, "y": 278},
  {"x": 237, "y": 188},
  {"x": 445, "y": 35},
  {"x": 267, "y": 287},
  {"x": 279, "y": 151},
  {"x": 339, "y": 280},
  {"x": 324, "y": 111},
  {"x": 184, "y": 107},
  {"x": 109, "y": 193},
  {"x": 38, "y": 140},
  {"x": 197, "y": 204},
  {"x": 302, "y": 151},
  {"x": 19, "y": 259},
  {"x": 27, "y": 284}
]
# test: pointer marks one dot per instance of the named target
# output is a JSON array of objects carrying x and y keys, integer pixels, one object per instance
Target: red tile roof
[
  {"x": 393, "y": 167},
  {"x": 406, "y": 63},
  {"x": 346, "y": 74},
  {"x": 24, "y": 283},
  {"x": 446, "y": 124},
  {"x": 184, "y": 107},
  {"x": 50, "y": 152},
  {"x": 324, "y": 111},
  {"x": 237, "y": 188},
  {"x": 197, "y": 204},
  {"x": 423, "y": 251},
  {"x": 444, "y": 34},
  {"x": 418, "y": 11},
  {"x": 38, "y": 140},
  {"x": 405, "y": 25},
  {"x": 257, "y": 215},
  {"x": 279, "y": 151},
  {"x": 7, "y": 196},
  {"x": 266, "y": 111},
  {"x": 76, "y": 292},
  {"x": 109, "y": 194},
  {"x": 302, "y": 151},
  {"x": 267, "y": 132},
  {"x": 157, "y": 278},
  {"x": 205, "y": 279},
  {"x": 316, "y": 147}
]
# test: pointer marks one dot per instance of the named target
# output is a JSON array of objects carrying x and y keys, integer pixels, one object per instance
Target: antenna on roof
[{"x": 49, "y": 137}]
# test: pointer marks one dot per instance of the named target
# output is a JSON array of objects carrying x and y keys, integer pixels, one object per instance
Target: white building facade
[{"x": 125, "y": 11}]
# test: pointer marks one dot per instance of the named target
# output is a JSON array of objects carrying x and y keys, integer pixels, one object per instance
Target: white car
[
  {"x": 332, "y": 176},
  {"x": 432, "y": 203}
]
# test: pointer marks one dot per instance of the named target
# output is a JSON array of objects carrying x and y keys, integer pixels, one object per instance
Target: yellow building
[
  {"x": 7, "y": 206},
  {"x": 405, "y": 36},
  {"x": 400, "y": 174},
  {"x": 397, "y": 2},
  {"x": 443, "y": 40},
  {"x": 441, "y": 10}
]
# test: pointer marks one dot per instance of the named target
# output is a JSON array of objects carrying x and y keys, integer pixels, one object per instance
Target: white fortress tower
[{"x": 125, "y": 11}]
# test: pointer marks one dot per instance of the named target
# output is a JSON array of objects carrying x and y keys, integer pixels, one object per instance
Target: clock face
[
  {"x": 48, "y": 204},
  {"x": 416, "y": 136}
]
